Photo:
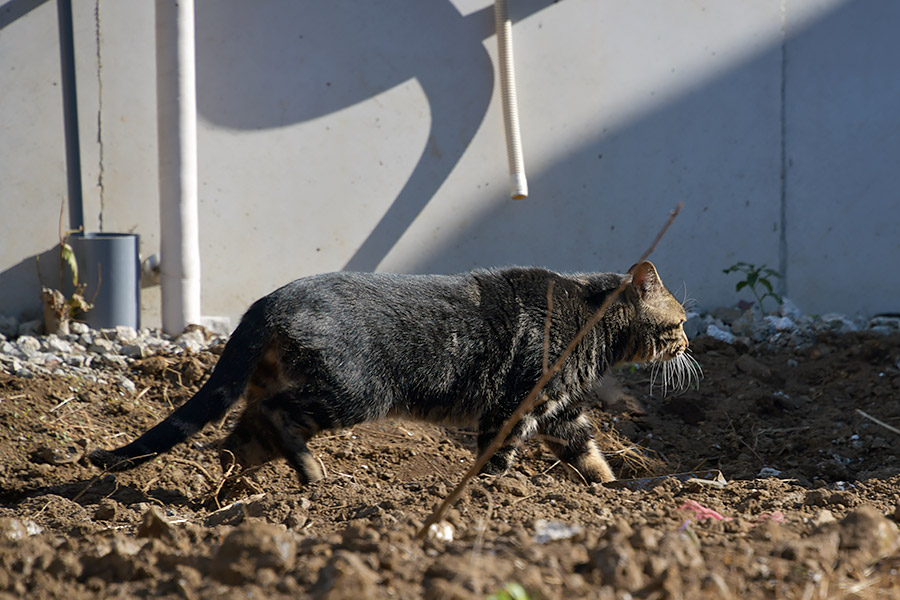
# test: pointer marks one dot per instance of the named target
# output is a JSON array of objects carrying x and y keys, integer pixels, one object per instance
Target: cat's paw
[{"x": 497, "y": 465}]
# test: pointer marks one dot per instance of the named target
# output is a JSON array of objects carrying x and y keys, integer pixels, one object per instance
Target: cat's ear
[{"x": 645, "y": 281}]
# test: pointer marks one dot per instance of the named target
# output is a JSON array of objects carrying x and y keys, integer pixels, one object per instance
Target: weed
[
  {"x": 59, "y": 309},
  {"x": 758, "y": 279}
]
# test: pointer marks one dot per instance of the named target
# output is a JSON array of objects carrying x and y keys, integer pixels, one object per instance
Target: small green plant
[
  {"x": 758, "y": 279},
  {"x": 511, "y": 591}
]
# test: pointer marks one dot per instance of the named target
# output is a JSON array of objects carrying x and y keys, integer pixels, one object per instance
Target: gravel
[{"x": 83, "y": 352}]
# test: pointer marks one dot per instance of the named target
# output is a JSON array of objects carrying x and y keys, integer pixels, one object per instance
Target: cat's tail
[{"x": 223, "y": 388}]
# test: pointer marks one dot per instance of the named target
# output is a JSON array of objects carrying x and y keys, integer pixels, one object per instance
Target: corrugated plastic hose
[{"x": 518, "y": 182}]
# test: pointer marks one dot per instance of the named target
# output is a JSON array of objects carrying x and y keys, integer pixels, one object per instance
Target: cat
[{"x": 334, "y": 350}]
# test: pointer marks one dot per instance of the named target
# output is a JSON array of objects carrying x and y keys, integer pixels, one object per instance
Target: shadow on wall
[
  {"x": 21, "y": 283},
  {"x": 297, "y": 61},
  {"x": 598, "y": 206},
  {"x": 13, "y": 10},
  {"x": 718, "y": 148}
]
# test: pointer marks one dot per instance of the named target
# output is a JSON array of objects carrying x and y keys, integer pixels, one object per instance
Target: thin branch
[
  {"x": 533, "y": 397},
  {"x": 882, "y": 423},
  {"x": 662, "y": 231}
]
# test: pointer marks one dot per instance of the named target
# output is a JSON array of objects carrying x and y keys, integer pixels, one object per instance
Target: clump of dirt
[{"x": 810, "y": 509}]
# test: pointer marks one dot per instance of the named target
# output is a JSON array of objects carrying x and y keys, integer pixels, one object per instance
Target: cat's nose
[{"x": 685, "y": 337}]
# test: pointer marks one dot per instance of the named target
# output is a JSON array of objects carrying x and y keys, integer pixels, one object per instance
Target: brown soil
[{"x": 809, "y": 511}]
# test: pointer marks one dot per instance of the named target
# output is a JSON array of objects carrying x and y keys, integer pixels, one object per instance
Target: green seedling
[{"x": 758, "y": 279}]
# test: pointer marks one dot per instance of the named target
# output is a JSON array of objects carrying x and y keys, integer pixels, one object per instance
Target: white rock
[
  {"x": 102, "y": 346},
  {"x": 9, "y": 349},
  {"x": 720, "y": 334},
  {"x": 47, "y": 358},
  {"x": 442, "y": 531},
  {"x": 79, "y": 328},
  {"x": 838, "y": 322},
  {"x": 28, "y": 345},
  {"x": 789, "y": 309},
  {"x": 780, "y": 323},
  {"x": 133, "y": 351},
  {"x": 550, "y": 531},
  {"x": 127, "y": 385},
  {"x": 75, "y": 360},
  {"x": 125, "y": 334},
  {"x": 884, "y": 325},
  {"x": 113, "y": 359},
  {"x": 217, "y": 325},
  {"x": 191, "y": 340},
  {"x": 53, "y": 343}
]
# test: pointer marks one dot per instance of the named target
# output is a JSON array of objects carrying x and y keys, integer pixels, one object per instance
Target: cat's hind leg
[
  {"x": 292, "y": 417},
  {"x": 570, "y": 436},
  {"x": 488, "y": 428}
]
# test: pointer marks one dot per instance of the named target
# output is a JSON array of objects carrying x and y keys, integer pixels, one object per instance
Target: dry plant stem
[
  {"x": 662, "y": 232},
  {"x": 196, "y": 465},
  {"x": 882, "y": 423},
  {"x": 533, "y": 397}
]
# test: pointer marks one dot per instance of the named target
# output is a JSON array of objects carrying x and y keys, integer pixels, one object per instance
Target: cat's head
[{"x": 656, "y": 332}]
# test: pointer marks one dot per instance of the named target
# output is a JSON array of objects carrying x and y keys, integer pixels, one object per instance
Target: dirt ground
[{"x": 809, "y": 509}]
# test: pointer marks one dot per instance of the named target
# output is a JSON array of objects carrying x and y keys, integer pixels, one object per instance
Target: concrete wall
[{"x": 368, "y": 135}]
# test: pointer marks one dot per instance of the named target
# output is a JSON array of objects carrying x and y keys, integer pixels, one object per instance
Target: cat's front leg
[{"x": 570, "y": 436}]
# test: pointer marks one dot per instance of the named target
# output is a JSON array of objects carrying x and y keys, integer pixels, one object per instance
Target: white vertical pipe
[
  {"x": 176, "y": 100},
  {"x": 518, "y": 183}
]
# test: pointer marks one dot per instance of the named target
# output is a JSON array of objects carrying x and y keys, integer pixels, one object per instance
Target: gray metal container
[{"x": 109, "y": 264}]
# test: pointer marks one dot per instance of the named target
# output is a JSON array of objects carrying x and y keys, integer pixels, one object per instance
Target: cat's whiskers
[
  {"x": 680, "y": 373},
  {"x": 687, "y": 302}
]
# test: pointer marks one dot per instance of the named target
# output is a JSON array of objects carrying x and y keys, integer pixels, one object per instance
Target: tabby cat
[{"x": 334, "y": 350}]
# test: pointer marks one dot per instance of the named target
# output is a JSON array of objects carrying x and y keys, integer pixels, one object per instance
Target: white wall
[{"x": 363, "y": 135}]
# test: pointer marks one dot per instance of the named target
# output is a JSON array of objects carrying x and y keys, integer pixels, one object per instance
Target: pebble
[
  {"x": 127, "y": 385},
  {"x": 720, "y": 334},
  {"x": 551, "y": 531},
  {"x": 28, "y": 345},
  {"x": 102, "y": 346},
  {"x": 133, "y": 351}
]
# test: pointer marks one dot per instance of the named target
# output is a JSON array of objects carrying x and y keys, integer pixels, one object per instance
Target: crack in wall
[{"x": 99, "y": 113}]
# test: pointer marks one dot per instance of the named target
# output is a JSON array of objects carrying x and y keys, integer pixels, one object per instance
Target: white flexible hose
[{"x": 518, "y": 182}]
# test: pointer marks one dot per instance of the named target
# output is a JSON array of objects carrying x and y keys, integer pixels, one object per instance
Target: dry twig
[{"x": 882, "y": 423}]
